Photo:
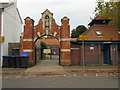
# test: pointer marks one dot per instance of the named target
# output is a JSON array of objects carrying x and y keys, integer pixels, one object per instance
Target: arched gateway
[{"x": 46, "y": 26}]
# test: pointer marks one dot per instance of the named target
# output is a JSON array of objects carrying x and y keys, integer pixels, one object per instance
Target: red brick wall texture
[
  {"x": 95, "y": 56},
  {"x": 27, "y": 42}
]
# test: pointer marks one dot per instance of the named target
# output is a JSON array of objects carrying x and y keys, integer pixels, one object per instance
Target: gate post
[
  {"x": 28, "y": 37},
  {"x": 65, "y": 42}
]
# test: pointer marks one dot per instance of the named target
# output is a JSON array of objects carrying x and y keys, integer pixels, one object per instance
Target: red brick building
[
  {"x": 46, "y": 27},
  {"x": 102, "y": 45}
]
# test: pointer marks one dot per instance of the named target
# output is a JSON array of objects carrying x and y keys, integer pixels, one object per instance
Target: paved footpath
[
  {"x": 52, "y": 67},
  {"x": 46, "y": 66}
]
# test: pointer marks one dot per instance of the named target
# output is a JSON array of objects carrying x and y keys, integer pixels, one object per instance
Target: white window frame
[
  {"x": 98, "y": 32},
  {"x": 118, "y": 31}
]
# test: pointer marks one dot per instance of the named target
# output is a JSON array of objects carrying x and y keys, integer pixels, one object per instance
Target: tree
[
  {"x": 43, "y": 45},
  {"x": 78, "y": 31},
  {"x": 110, "y": 10}
]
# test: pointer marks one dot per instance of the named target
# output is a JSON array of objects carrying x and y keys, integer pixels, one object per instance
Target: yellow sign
[
  {"x": 2, "y": 39},
  {"x": 82, "y": 37},
  {"x": 47, "y": 51}
]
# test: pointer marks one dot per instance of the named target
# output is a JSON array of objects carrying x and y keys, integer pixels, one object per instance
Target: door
[{"x": 106, "y": 54}]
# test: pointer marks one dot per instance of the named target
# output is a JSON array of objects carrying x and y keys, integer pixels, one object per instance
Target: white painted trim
[
  {"x": 74, "y": 48},
  {"x": 106, "y": 42},
  {"x": 38, "y": 33},
  {"x": 65, "y": 39},
  {"x": 65, "y": 60},
  {"x": 29, "y": 40},
  {"x": 28, "y": 50},
  {"x": 65, "y": 50},
  {"x": 35, "y": 39}
]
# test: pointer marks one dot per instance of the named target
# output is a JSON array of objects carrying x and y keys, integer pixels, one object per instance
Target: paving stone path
[{"x": 46, "y": 66}]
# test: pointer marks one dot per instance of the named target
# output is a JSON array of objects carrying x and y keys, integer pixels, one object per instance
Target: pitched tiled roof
[
  {"x": 100, "y": 18},
  {"x": 49, "y": 41},
  {"x": 109, "y": 33}
]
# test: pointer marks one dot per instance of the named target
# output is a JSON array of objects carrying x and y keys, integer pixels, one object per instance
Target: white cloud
[
  {"x": 79, "y": 11},
  {"x": 4, "y": 1}
]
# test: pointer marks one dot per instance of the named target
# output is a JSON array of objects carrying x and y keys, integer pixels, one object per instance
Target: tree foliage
[
  {"x": 43, "y": 45},
  {"x": 110, "y": 10},
  {"x": 78, "y": 31}
]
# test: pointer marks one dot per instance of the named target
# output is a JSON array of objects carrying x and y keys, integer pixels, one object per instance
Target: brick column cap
[
  {"x": 65, "y": 18},
  {"x": 28, "y": 18}
]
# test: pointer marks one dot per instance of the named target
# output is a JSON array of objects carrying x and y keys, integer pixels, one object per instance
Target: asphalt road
[{"x": 71, "y": 80}]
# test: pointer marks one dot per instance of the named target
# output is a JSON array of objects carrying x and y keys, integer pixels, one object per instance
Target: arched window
[{"x": 46, "y": 17}]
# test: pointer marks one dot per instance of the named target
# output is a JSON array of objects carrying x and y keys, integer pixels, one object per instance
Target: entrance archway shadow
[
  {"x": 48, "y": 63},
  {"x": 43, "y": 59}
]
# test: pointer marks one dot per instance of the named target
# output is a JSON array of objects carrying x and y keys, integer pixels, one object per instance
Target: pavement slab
[{"x": 48, "y": 68}]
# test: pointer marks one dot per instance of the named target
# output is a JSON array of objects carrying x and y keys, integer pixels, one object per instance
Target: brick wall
[
  {"x": 114, "y": 54},
  {"x": 39, "y": 28},
  {"x": 92, "y": 54},
  {"x": 28, "y": 37},
  {"x": 65, "y": 42},
  {"x": 75, "y": 54}
]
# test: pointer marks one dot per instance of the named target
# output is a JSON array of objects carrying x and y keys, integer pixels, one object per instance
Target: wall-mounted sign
[
  {"x": 47, "y": 51},
  {"x": 2, "y": 39},
  {"x": 91, "y": 48},
  {"x": 82, "y": 37}
]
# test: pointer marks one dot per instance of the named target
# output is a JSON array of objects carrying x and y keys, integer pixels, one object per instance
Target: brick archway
[
  {"x": 44, "y": 34},
  {"x": 46, "y": 26}
]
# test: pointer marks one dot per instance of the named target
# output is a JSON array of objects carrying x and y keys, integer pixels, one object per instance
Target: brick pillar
[
  {"x": 28, "y": 37},
  {"x": 65, "y": 42}
]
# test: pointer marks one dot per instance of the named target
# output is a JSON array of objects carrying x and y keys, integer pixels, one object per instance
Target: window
[
  {"x": 98, "y": 32},
  {"x": 118, "y": 32},
  {"x": 46, "y": 17}
]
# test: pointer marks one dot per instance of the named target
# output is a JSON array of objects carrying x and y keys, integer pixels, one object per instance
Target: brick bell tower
[{"x": 46, "y": 25}]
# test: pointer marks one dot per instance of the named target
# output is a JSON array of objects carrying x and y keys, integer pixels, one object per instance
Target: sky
[{"x": 78, "y": 11}]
